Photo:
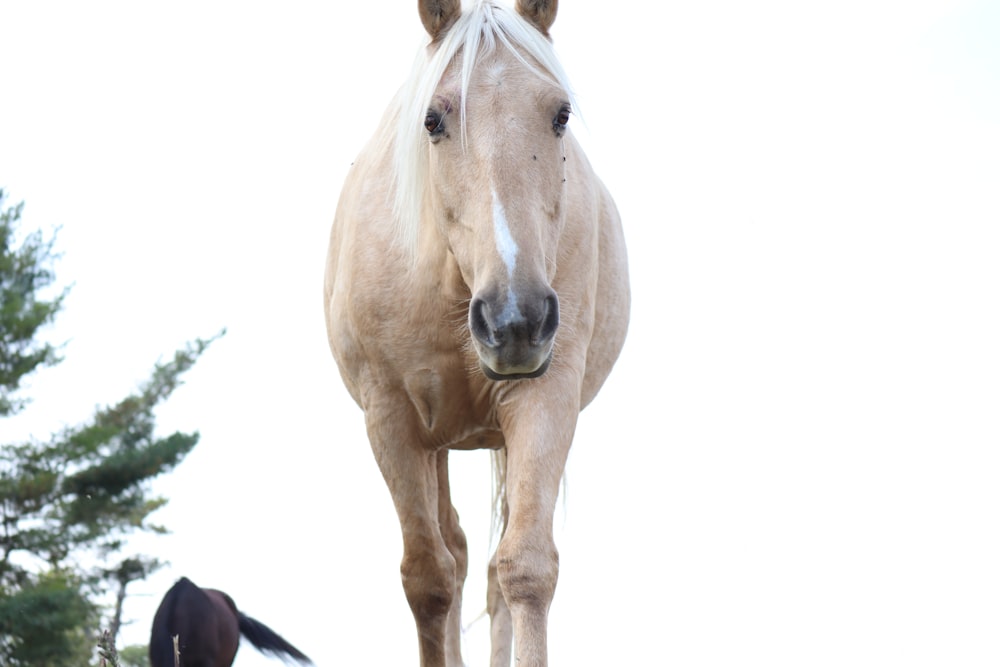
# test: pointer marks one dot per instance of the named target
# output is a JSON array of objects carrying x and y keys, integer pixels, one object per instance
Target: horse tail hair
[
  {"x": 267, "y": 640},
  {"x": 498, "y": 458},
  {"x": 161, "y": 640}
]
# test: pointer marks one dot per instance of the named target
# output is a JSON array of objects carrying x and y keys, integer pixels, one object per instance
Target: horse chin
[{"x": 496, "y": 375}]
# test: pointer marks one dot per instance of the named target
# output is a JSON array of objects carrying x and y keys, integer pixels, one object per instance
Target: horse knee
[
  {"x": 429, "y": 583},
  {"x": 527, "y": 574}
]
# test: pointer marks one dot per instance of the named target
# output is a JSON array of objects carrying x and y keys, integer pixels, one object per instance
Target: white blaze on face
[
  {"x": 507, "y": 249},
  {"x": 501, "y": 232}
]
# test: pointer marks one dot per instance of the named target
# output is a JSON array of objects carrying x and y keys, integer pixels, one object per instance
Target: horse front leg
[
  {"x": 527, "y": 563},
  {"x": 428, "y": 568}
]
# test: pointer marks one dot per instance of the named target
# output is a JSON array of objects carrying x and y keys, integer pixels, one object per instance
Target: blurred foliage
[
  {"x": 134, "y": 656},
  {"x": 44, "y": 621}
]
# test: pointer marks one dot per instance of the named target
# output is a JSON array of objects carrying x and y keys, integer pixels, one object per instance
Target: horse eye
[
  {"x": 433, "y": 123},
  {"x": 561, "y": 119}
]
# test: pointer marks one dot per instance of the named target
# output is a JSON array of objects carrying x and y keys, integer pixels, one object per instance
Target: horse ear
[
  {"x": 541, "y": 13},
  {"x": 439, "y": 15}
]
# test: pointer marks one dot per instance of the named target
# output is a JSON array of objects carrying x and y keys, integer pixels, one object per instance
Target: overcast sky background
[{"x": 794, "y": 463}]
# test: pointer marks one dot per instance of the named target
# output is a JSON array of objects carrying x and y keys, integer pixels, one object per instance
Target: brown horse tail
[{"x": 267, "y": 640}]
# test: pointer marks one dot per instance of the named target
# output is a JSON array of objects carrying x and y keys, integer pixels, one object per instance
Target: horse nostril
[
  {"x": 549, "y": 321},
  {"x": 479, "y": 323}
]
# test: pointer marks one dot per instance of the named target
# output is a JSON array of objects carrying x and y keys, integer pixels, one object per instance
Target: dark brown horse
[{"x": 208, "y": 626}]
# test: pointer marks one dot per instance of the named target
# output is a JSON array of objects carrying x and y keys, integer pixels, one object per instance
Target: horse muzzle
[{"x": 512, "y": 335}]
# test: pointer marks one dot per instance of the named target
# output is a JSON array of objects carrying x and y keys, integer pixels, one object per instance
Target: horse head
[{"x": 496, "y": 173}]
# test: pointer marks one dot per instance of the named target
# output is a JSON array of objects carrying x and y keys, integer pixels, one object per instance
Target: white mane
[{"x": 475, "y": 34}]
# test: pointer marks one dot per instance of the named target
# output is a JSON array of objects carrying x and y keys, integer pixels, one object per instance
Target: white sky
[{"x": 796, "y": 459}]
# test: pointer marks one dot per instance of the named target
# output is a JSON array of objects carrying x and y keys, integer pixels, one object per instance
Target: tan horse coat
[{"x": 516, "y": 269}]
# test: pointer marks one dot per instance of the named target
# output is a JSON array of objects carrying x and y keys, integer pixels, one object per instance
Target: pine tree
[{"x": 77, "y": 497}]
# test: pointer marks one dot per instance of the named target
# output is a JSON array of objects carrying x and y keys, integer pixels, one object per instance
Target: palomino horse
[
  {"x": 208, "y": 627},
  {"x": 477, "y": 296}
]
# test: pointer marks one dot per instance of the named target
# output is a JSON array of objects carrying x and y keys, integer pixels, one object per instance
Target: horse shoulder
[{"x": 609, "y": 302}]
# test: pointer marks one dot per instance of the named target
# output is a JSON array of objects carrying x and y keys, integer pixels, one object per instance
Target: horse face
[{"x": 497, "y": 186}]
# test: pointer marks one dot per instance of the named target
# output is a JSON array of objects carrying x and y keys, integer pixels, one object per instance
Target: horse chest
[{"x": 451, "y": 413}]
